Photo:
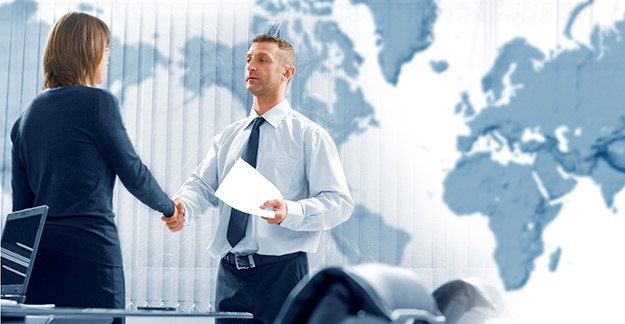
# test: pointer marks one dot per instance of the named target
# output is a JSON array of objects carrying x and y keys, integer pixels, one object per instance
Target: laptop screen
[{"x": 20, "y": 240}]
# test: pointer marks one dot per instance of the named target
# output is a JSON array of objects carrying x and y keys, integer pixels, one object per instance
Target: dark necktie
[{"x": 238, "y": 219}]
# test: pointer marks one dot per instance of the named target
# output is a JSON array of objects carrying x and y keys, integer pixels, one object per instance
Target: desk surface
[{"x": 22, "y": 310}]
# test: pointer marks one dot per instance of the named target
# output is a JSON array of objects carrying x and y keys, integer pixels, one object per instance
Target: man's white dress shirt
[{"x": 300, "y": 158}]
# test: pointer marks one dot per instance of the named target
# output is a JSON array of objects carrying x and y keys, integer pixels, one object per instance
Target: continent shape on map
[
  {"x": 403, "y": 29},
  {"x": 566, "y": 112},
  {"x": 348, "y": 115}
]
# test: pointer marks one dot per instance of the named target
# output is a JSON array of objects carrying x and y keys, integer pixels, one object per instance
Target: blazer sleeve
[
  {"x": 23, "y": 195},
  {"x": 112, "y": 138}
]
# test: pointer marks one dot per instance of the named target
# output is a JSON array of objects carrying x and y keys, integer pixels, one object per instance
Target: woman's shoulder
[
  {"x": 94, "y": 91},
  {"x": 96, "y": 102},
  {"x": 78, "y": 91},
  {"x": 101, "y": 98}
]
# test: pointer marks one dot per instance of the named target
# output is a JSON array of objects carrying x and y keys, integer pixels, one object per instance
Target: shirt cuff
[
  {"x": 188, "y": 216},
  {"x": 295, "y": 215}
]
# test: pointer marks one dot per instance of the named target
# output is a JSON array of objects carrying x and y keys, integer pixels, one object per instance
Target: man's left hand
[{"x": 279, "y": 206}]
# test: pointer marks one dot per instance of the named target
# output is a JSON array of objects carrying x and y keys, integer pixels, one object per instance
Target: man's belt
[{"x": 249, "y": 261}]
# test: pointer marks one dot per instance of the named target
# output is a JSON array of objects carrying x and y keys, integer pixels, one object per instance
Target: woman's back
[
  {"x": 57, "y": 140},
  {"x": 69, "y": 145}
]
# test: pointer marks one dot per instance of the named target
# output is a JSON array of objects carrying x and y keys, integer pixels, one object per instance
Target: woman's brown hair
[{"x": 74, "y": 51}]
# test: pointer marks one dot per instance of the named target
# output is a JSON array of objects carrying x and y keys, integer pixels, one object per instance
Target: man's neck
[{"x": 263, "y": 104}]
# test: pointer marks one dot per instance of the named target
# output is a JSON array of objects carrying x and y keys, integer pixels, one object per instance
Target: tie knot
[{"x": 257, "y": 122}]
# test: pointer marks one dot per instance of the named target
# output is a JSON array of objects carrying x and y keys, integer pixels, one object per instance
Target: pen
[{"x": 157, "y": 308}]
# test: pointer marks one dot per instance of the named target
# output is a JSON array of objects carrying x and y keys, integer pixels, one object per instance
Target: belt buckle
[{"x": 244, "y": 264}]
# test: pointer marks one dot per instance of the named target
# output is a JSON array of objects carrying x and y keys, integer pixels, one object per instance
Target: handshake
[{"x": 175, "y": 223}]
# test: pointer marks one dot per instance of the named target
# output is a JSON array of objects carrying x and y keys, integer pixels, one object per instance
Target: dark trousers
[
  {"x": 67, "y": 281},
  {"x": 260, "y": 290}
]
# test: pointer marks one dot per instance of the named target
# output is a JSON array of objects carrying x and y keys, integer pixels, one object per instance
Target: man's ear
[{"x": 289, "y": 71}]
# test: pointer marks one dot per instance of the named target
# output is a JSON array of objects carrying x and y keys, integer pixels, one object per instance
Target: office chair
[
  {"x": 363, "y": 294},
  {"x": 468, "y": 301}
]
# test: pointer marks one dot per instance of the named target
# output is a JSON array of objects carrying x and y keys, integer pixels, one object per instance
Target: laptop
[{"x": 20, "y": 241}]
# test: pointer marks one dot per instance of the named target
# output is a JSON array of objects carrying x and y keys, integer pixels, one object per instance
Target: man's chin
[{"x": 251, "y": 89}]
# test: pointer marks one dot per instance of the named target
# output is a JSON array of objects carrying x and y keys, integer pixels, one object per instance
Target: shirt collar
[{"x": 273, "y": 116}]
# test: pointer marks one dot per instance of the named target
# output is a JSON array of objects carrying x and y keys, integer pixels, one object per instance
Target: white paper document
[{"x": 245, "y": 189}]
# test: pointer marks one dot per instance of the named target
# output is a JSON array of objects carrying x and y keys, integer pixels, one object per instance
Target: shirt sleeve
[
  {"x": 330, "y": 202},
  {"x": 198, "y": 191},
  {"x": 112, "y": 138},
  {"x": 23, "y": 195}
]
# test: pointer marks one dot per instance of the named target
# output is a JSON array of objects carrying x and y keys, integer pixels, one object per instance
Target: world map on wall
[
  {"x": 564, "y": 109},
  {"x": 567, "y": 112}
]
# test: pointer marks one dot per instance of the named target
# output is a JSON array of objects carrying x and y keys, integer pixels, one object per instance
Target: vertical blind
[{"x": 177, "y": 69}]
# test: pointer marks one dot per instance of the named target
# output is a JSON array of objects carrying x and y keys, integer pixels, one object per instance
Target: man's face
[{"x": 265, "y": 69}]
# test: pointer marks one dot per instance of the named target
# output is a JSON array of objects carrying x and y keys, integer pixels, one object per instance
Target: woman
[{"x": 69, "y": 144}]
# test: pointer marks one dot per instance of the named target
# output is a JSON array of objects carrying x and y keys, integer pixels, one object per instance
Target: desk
[{"x": 36, "y": 315}]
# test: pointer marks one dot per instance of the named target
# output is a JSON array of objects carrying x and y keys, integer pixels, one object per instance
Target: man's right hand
[{"x": 175, "y": 223}]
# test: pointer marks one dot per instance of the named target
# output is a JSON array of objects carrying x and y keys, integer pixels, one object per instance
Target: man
[{"x": 257, "y": 272}]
